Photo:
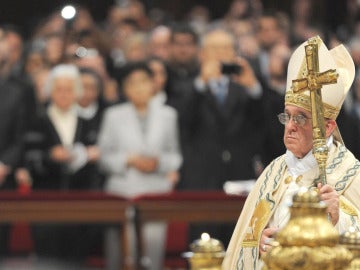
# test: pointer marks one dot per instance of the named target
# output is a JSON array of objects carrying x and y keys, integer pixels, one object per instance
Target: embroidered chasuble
[{"x": 272, "y": 191}]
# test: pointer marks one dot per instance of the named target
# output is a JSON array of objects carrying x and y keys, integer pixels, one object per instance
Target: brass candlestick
[{"x": 206, "y": 253}]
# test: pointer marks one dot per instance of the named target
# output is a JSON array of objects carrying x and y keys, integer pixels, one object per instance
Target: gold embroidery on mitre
[
  {"x": 303, "y": 101},
  {"x": 347, "y": 208},
  {"x": 315, "y": 40},
  {"x": 257, "y": 224}
]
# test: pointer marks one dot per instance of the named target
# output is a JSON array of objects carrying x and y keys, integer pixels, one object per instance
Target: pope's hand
[
  {"x": 329, "y": 195},
  {"x": 265, "y": 240}
]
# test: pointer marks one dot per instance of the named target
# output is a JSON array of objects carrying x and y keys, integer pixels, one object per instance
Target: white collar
[
  {"x": 87, "y": 112},
  {"x": 64, "y": 122},
  {"x": 299, "y": 166},
  {"x": 159, "y": 98},
  {"x": 54, "y": 110}
]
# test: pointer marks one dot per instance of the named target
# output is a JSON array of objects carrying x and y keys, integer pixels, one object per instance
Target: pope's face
[{"x": 298, "y": 139}]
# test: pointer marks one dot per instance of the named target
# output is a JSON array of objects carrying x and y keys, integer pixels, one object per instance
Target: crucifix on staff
[{"x": 313, "y": 82}]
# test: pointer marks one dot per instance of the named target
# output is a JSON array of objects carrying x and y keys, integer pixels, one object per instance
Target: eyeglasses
[{"x": 299, "y": 119}]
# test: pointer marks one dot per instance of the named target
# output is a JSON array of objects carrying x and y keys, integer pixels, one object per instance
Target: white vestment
[{"x": 270, "y": 193}]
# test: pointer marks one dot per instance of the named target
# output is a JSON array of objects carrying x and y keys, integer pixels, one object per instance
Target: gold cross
[{"x": 314, "y": 82}]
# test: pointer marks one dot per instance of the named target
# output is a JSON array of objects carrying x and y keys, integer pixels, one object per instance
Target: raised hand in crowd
[{"x": 246, "y": 76}]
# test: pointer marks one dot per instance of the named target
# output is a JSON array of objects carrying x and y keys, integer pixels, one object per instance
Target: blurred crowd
[{"x": 141, "y": 97}]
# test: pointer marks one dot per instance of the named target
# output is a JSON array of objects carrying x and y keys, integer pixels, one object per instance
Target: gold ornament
[
  {"x": 309, "y": 241},
  {"x": 206, "y": 253},
  {"x": 351, "y": 240}
]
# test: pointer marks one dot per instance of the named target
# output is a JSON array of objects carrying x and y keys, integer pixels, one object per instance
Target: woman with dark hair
[{"x": 140, "y": 151}]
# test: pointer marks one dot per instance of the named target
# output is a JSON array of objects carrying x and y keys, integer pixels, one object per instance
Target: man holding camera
[
  {"x": 221, "y": 121},
  {"x": 221, "y": 131}
]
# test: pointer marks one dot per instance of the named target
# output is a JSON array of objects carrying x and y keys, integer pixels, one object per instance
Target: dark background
[{"x": 27, "y": 13}]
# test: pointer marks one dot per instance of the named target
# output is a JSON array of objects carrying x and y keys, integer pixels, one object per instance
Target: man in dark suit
[
  {"x": 12, "y": 126},
  {"x": 11, "y": 130},
  {"x": 273, "y": 102},
  {"x": 182, "y": 66},
  {"x": 269, "y": 32},
  {"x": 221, "y": 133}
]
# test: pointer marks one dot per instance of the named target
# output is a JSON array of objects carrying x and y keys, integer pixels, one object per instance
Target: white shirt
[
  {"x": 65, "y": 123},
  {"x": 296, "y": 168}
]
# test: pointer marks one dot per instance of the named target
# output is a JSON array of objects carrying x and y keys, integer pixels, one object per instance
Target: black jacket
[{"x": 220, "y": 143}]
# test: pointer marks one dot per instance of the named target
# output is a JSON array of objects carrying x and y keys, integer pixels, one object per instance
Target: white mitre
[{"x": 333, "y": 95}]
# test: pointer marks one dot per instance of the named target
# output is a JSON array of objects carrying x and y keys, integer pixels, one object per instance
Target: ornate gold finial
[
  {"x": 313, "y": 81},
  {"x": 206, "y": 253},
  {"x": 309, "y": 240},
  {"x": 351, "y": 240}
]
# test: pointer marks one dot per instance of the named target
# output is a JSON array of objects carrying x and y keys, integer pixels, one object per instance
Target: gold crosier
[{"x": 314, "y": 82}]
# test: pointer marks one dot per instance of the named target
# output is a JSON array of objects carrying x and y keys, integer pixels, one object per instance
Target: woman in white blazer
[{"x": 139, "y": 149}]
